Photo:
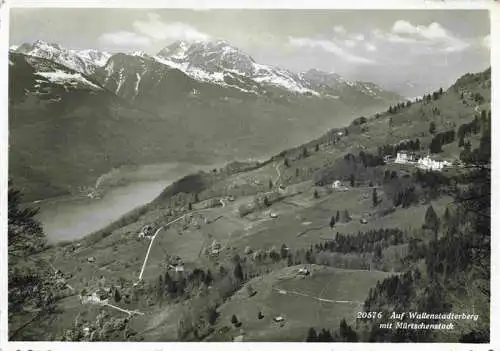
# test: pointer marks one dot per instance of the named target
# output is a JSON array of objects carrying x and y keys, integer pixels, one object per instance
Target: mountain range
[{"x": 75, "y": 114}]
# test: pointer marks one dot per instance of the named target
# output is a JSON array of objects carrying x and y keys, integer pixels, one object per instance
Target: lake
[{"x": 74, "y": 217}]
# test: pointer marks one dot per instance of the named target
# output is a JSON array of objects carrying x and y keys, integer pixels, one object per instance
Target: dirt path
[
  {"x": 286, "y": 292},
  {"x": 129, "y": 312}
]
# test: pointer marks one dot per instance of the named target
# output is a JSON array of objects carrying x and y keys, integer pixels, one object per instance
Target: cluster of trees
[
  {"x": 103, "y": 328},
  {"x": 467, "y": 129},
  {"x": 359, "y": 251},
  {"x": 345, "y": 333},
  {"x": 434, "y": 96},
  {"x": 392, "y": 150},
  {"x": 359, "y": 121},
  {"x": 454, "y": 258},
  {"x": 34, "y": 292},
  {"x": 200, "y": 314},
  {"x": 401, "y": 190},
  {"x": 422, "y": 185},
  {"x": 441, "y": 139},
  {"x": 398, "y": 107},
  {"x": 480, "y": 156},
  {"x": 365, "y": 158},
  {"x": 343, "y": 216},
  {"x": 369, "y": 160},
  {"x": 369, "y": 241}
]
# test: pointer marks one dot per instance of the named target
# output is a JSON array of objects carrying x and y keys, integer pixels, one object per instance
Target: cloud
[
  {"x": 124, "y": 38},
  {"x": 159, "y": 30},
  {"x": 328, "y": 46},
  {"x": 431, "y": 37},
  {"x": 350, "y": 43},
  {"x": 370, "y": 47},
  {"x": 359, "y": 37},
  {"x": 339, "y": 30}
]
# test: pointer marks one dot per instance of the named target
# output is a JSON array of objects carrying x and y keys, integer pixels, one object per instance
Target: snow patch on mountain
[
  {"x": 97, "y": 57},
  {"x": 62, "y": 78},
  {"x": 121, "y": 80},
  {"x": 282, "y": 78},
  {"x": 137, "y": 82}
]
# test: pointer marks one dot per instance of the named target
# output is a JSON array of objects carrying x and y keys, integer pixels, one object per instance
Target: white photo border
[{"x": 492, "y": 6}]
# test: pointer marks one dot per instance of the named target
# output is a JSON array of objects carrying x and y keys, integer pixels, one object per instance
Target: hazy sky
[{"x": 389, "y": 47}]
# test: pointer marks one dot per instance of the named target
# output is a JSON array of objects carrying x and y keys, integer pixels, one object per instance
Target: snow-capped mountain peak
[
  {"x": 83, "y": 61},
  {"x": 214, "y": 60},
  {"x": 140, "y": 53}
]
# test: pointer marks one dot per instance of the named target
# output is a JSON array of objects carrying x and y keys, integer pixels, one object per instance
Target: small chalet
[
  {"x": 304, "y": 271},
  {"x": 336, "y": 184}
]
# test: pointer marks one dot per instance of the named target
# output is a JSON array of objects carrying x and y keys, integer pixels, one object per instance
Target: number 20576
[{"x": 369, "y": 315}]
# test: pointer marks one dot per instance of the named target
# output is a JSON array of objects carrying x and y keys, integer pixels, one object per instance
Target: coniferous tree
[
  {"x": 431, "y": 219},
  {"x": 305, "y": 153},
  {"x": 234, "y": 320},
  {"x": 33, "y": 291},
  {"x": 311, "y": 335},
  {"x": 208, "y": 278},
  {"x": 432, "y": 127},
  {"x": 374, "y": 197},
  {"x": 283, "y": 251},
  {"x": 347, "y": 216},
  {"x": 325, "y": 336},
  {"x": 238, "y": 272},
  {"x": 332, "y": 222},
  {"x": 266, "y": 202}
]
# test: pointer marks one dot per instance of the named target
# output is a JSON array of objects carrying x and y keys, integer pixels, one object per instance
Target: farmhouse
[
  {"x": 279, "y": 319},
  {"x": 93, "y": 298},
  {"x": 405, "y": 157},
  {"x": 215, "y": 248},
  {"x": 178, "y": 269}
]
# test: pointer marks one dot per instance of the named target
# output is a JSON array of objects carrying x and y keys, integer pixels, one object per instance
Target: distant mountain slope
[
  {"x": 66, "y": 130},
  {"x": 75, "y": 114},
  {"x": 232, "y": 107}
]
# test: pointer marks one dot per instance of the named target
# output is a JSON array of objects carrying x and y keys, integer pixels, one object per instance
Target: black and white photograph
[{"x": 249, "y": 175}]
